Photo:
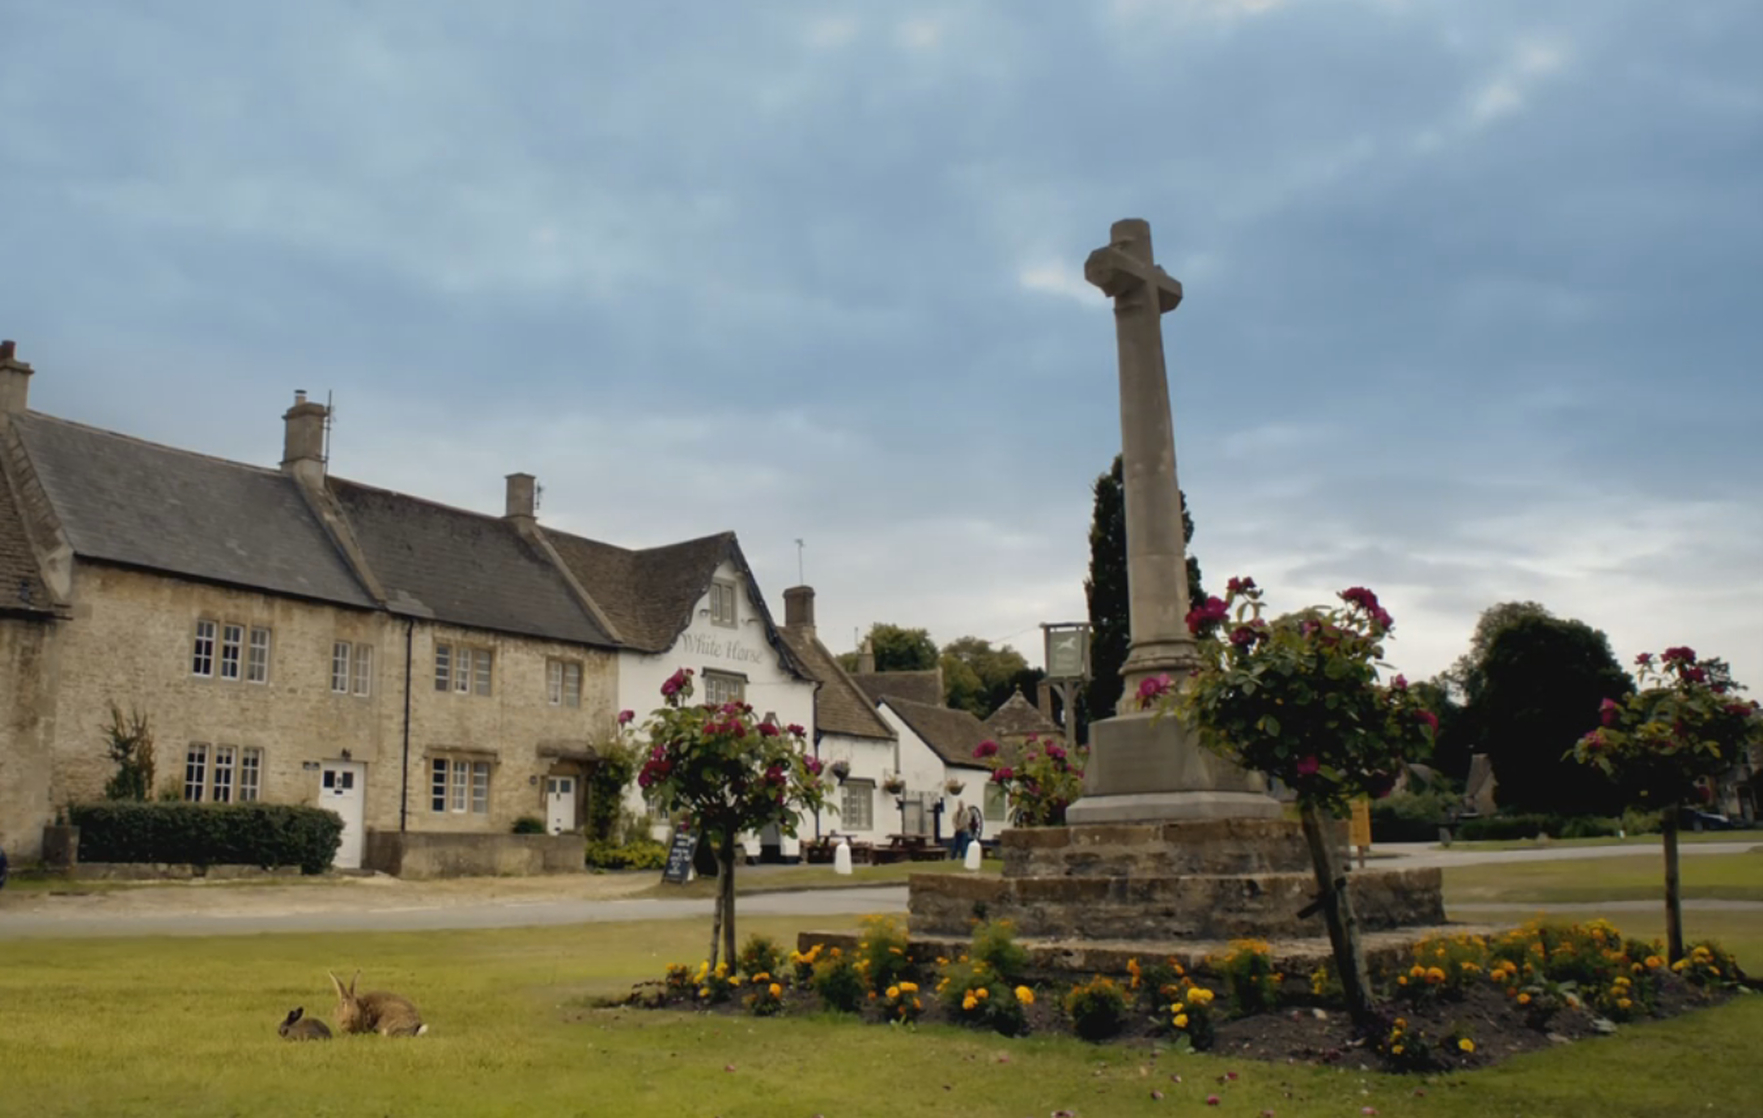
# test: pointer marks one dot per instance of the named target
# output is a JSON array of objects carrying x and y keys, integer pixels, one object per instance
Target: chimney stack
[
  {"x": 15, "y": 380},
  {"x": 799, "y": 608},
  {"x": 866, "y": 658},
  {"x": 522, "y": 505},
  {"x": 303, "y": 439}
]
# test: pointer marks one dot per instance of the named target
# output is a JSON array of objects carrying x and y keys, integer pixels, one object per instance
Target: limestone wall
[
  {"x": 27, "y": 725},
  {"x": 415, "y": 855}
]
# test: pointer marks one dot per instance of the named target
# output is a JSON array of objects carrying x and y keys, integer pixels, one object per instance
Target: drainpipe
[{"x": 404, "y": 790}]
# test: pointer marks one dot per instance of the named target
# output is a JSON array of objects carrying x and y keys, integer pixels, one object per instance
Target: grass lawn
[
  {"x": 1640, "y": 842},
  {"x": 778, "y": 879},
  {"x": 187, "y": 1027},
  {"x": 1731, "y": 877}
]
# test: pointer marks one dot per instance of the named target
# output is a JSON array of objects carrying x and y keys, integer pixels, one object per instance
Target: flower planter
[{"x": 954, "y": 787}]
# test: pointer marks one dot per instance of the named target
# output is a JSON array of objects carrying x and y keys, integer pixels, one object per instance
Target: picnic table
[{"x": 820, "y": 851}]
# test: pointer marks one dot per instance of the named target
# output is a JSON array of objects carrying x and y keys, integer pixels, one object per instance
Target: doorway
[
  {"x": 559, "y": 804},
  {"x": 342, "y": 789}
]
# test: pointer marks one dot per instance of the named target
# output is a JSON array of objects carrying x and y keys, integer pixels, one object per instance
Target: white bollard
[
  {"x": 842, "y": 857},
  {"x": 974, "y": 854}
]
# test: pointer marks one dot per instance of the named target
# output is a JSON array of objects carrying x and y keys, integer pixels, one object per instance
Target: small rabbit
[
  {"x": 375, "y": 1011},
  {"x": 300, "y": 1027}
]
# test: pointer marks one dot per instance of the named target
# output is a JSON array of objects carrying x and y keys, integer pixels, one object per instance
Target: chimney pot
[
  {"x": 15, "y": 380},
  {"x": 520, "y": 503},
  {"x": 799, "y": 608}
]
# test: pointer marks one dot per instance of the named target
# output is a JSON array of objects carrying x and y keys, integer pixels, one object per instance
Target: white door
[
  {"x": 341, "y": 789},
  {"x": 559, "y": 804}
]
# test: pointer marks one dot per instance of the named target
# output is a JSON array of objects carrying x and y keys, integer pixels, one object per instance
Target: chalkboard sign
[{"x": 679, "y": 858}]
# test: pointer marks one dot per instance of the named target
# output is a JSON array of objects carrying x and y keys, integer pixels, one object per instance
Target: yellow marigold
[
  {"x": 1179, "y": 971},
  {"x": 1654, "y": 962},
  {"x": 1623, "y": 1003},
  {"x": 1434, "y": 975},
  {"x": 968, "y": 1003},
  {"x": 863, "y": 946},
  {"x": 916, "y": 1004},
  {"x": 1176, "y": 1008},
  {"x": 1417, "y": 971},
  {"x": 1466, "y": 1044},
  {"x": 895, "y": 951},
  {"x": 1397, "y": 1050},
  {"x": 1401, "y": 1022},
  {"x": 1025, "y": 995},
  {"x": 1181, "y": 1021},
  {"x": 942, "y": 961},
  {"x": 1201, "y": 996},
  {"x": 909, "y": 987},
  {"x": 762, "y": 976},
  {"x": 1524, "y": 999},
  {"x": 893, "y": 991},
  {"x": 1715, "y": 971},
  {"x": 1401, "y": 980},
  {"x": 982, "y": 993}
]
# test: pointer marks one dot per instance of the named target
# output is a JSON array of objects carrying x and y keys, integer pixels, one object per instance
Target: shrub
[
  {"x": 1525, "y": 825},
  {"x": 767, "y": 998},
  {"x": 1097, "y": 1008},
  {"x": 1191, "y": 1016},
  {"x": 637, "y": 854},
  {"x": 882, "y": 956},
  {"x": 1247, "y": 971},
  {"x": 1410, "y": 817},
  {"x": 994, "y": 944},
  {"x": 1707, "y": 965},
  {"x": 716, "y": 984},
  {"x": 1443, "y": 968},
  {"x": 760, "y": 955},
  {"x": 679, "y": 981},
  {"x": 254, "y": 834},
  {"x": 974, "y": 994},
  {"x": 838, "y": 982},
  {"x": 529, "y": 825},
  {"x": 902, "y": 1003}
]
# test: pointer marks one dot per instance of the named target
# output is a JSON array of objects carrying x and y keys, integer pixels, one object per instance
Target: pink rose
[
  {"x": 1608, "y": 712},
  {"x": 984, "y": 749},
  {"x": 1308, "y": 765},
  {"x": 625, "y": 716}
]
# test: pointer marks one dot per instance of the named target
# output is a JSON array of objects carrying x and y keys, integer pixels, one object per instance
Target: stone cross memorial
[{"x": 1141, "y": 768}]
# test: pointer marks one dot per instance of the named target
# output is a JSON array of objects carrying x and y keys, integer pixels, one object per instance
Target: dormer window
[{"x": 722, "y": 603}]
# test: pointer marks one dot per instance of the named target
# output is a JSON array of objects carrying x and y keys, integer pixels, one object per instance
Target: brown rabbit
[
  {"x": 300, "y": 1027},
  {"x": 375, "y": 1011}
]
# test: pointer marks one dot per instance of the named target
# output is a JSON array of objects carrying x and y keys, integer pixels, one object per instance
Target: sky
[{"x": 1471, "y": 306}]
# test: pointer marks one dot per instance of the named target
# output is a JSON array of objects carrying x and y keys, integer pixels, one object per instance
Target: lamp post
[{"x": 1067, "y": 647}]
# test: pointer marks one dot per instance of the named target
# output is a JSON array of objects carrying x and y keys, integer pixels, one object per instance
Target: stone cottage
[{"x": 296, "y": 637}]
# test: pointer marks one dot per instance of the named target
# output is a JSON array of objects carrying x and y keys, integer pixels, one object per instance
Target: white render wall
[
  {"x": 926, "y": 771},
  {"x": 740, "y": 650},
  {"x": 871, "y": 759}
]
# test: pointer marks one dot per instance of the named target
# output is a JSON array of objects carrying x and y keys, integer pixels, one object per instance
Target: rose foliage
[
  {"x": 1298, "y": 698},
  {"x": 1039, "y": 784},
  {"x": 1684, "y": 724}
]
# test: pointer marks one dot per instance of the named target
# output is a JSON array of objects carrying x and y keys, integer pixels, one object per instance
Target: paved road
[{"x": 288, "y": 908}]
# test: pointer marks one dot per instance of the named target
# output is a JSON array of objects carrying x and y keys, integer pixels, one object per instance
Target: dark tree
[
  {"x": 1105, "y": 589},
  {"x": 979, "y": 678},
  {"x": 1530, "y": 695},
  {"x": 897, "y": 649},
  {"x": 1452, "y": 744}
]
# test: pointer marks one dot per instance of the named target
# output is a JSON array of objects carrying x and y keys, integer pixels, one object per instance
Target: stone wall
[
  {"x": 417, "y": 855},
  {"x": 27, "y": 726},
  {"x": 129, "y": 642}
]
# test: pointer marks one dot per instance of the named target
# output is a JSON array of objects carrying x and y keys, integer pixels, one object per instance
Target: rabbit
[
  {"x": 375, "y": 1011},
  {"x": 300, "y": 1027}
]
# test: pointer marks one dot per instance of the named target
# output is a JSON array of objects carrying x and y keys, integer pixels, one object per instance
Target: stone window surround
[
  {"x": 206, "y": 762},
  {"x": 731, "y": 686},
  {"x": 230, "y": 651},
  {"x": 563, "y": 682},
  {"x": 464, "y": 669},
  {"x": 460, "y": 781},
  {"x": 352, "y": 668},
  {"x": 722, "y": 604}
]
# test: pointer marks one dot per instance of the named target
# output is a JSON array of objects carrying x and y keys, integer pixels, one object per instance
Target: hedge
[
  {"x": 1410, "y": 817},
  {"x": 255, "y": 834},
  {"x": 637, "y": 854},
  {"x": 1525, "y": 825}
]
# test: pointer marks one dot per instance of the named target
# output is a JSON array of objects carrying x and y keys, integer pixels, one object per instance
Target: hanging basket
[
  {"x": 840, "y": 770},
  {"x": 893, "y": 785},
  {"x": 954, "y": 787}
]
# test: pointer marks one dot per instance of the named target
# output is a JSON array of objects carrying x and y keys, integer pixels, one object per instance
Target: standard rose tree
[
  {"x": 1041, "y": 783},
  {"x": 1682, "y": 729},
  {"x": 729, "y": 773},
  {"x": 1298, "y": 699}
]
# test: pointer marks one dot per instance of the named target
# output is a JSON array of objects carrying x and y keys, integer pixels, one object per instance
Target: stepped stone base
[{"x": 1193, "y": 880}]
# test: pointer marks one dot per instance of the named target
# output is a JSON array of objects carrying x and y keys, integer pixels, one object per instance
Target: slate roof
[
  {"x": 137, "y": 503},
  {"x": 462, "y": 567},
  {"x": 21, "y": 582},
  {"x": 916, "y": 687},
  {"x": 840, "y": 706},
  {"x": 648, "y": 595},
  {"x": 951, "y": 734},
  {"x": 1018, "y": 717}
]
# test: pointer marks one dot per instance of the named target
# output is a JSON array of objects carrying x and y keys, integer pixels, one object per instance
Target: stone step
[{"x": 1210, "y": 846}]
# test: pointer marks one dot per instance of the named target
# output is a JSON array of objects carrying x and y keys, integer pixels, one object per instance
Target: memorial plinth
[{"x": 1200, "y": 880}]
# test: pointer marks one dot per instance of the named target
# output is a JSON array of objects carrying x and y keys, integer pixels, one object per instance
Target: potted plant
[
  {"x": 893, "y": 784},
  {"x": 953, "y": 786},
  {"x": 840, "y": 770}
]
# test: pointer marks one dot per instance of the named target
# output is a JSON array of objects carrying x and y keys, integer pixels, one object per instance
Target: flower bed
[{"x": 1462, "y": 1002}]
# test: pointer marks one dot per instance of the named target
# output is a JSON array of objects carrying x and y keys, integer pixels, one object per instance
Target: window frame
[
  {"x": 867, "y": 788},
  {"x": 342, "y": 656},
  {"x": 250, "y": 766},
  {"x": 443, "y": 666},
  {"x": 202, "y": 652},
  {"x": 257, "y": 655},
  {"x": 224, "y": 759},
  {"x": 563, "y": 682},
  {"x": 232, "y": 652},
  {"x": 196, "y": 771},
  {"x": 712, "y": 677},
  {"x": 362, "y": 673},
  {"x": 724, "y": 611}
]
